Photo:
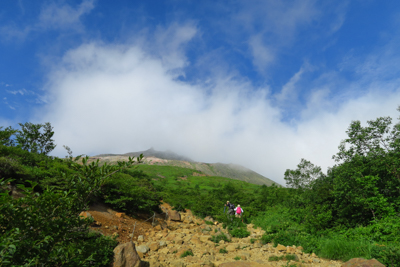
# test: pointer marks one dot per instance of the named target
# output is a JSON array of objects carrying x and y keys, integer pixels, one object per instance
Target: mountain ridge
[{"x": 169, "y": 158}]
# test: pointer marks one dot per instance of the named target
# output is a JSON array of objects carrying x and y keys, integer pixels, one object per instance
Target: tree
[
  {"x": 5, "y": 136},
  {"x": 303, "y": 176},
  {"x": 367, "y": 178},
  {"x": 36, "y": 138}
]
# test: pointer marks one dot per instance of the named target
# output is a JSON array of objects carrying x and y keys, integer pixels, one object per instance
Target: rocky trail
[{"x": 162, "y": 242}]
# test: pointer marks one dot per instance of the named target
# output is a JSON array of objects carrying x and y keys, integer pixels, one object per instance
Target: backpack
[{"x": 238, "y": 210}]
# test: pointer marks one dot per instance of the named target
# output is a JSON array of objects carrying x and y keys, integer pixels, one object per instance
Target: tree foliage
[
  {"x": 36, "y": 138},
  {"x": 303, "y": 176}
]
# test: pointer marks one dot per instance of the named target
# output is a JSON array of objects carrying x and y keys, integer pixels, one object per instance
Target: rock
[
  {"x": 140, "y": 238},
  {"x": 177, "y": 263},
  {"x": 360, "y": 262},
  {"x": 125, "y": 255},
  {"x": 290, "y": 250},
  {"x": 209, "y": 219},
  {"x": 257, "y": 244},
  {"x": 174, "y": 215},
  {"x": 163, "y": 244},
  {"x": 119, "y": 214},
  {"x": 280, "y": 247},
  {"x": 205, "y": 238},
  {"x": 143, "y": 249},
  {"x": 231, "y": 247},
  {"x": 164, "y": 250},
  {"x": 241, "y": 264},
  {"x": 154, "y": 246},
  {"x": 316, "y": 260}
]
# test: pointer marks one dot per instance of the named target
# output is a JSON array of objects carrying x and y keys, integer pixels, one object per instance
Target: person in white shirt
[{"x": 238, "y": 212}]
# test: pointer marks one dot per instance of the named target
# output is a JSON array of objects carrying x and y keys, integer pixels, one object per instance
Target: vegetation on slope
[{"x": 352, "y": 211}]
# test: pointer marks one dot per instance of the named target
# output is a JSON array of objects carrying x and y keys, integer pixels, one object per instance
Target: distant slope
[
  {"x": 233, "y": 171},
  {"x": 151, "y": 153}
]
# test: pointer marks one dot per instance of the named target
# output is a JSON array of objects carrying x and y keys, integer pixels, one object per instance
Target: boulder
[
  {"x": 280, "y": 247},
  {"x": 241, "y": 264},
  {"x": 154, "y": 246},
  {"x": 208, "y": 218},
  {"x": 125, "y": 255},
  {"x": 119, "y": 214},
  {"x": 360, "y": 262},
  {"x": 205, "y": 238},
  {"x": 143, "y": 249},
  {"x": 174, "y": 215},
  {"x": 231, "y": 247}
]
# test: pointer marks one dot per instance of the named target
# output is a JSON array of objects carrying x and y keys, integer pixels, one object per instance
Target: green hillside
[
  {"x": 159, "y": 158},
  {"x": 177, "y": 177}
]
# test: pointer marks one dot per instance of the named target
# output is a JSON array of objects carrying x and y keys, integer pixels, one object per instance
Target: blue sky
[{"x": 257, "y": 83}]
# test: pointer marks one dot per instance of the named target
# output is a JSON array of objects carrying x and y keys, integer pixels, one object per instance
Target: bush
[
  {"x": 217, "y": 238},
  {"x": 340, "y": 248},
  {"x": 45, "y": 228},
  {"x": 223, "y": 251},
  {"x": 187, "y": 253},
  {"x": 387, "y": 255},
  {"x": 239, "y": 232},
  {"x": 130, "y": 194}
]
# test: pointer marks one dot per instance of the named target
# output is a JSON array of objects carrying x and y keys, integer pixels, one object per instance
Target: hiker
[
  {"x": 230, "y": 207},
  {"x": 238, "y": 212}
]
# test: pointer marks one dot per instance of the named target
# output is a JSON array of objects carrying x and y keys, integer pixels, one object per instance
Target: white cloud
[
  {"x": 262, "y": 55},
  {"x": 63, "y": 16},
  {"x": 53, "y": 15},
  {"x": 110, "y": 98},
  {"x": 21, "y": 92}
]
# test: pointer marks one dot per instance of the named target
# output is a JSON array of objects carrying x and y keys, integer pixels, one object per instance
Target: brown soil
[{"x": 110, "y": 222}]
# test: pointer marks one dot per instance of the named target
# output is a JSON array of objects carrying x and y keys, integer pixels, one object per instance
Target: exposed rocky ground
[{"x": 162, "y": 242}]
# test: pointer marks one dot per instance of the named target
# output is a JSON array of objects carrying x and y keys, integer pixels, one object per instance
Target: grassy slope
[
  {"x": 231, "y": 171},
  {"x": 171, "y": 176}
]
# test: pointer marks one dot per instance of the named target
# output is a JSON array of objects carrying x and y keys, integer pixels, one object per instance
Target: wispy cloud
[
  {"x": 53, "y": 16},
  {"x": 21, "y": 92}
]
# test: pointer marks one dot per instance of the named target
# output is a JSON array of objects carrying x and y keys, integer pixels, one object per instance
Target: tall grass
[{"x": 344, "y": 249}]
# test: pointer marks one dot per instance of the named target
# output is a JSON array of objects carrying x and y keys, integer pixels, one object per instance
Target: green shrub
[
  {"x": 223, "y": 251},
  {"x": 187, "y": 253},
  {"x": 45, "y": 228},
  {"x": 209, "y": 223},
  {"x": 267, "y": 238},
  {"x": 130, "y": 194},
  {"x": 340, "y": 248},
  {"x": 387, "y": 255},
  {"x": 239, "y": 232},
  {"x": 236, "y": 258},
  {"x": 217, "y": 238},
  {"x": 275, "y": 258},
  {"x": 291, "y": 257}
]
